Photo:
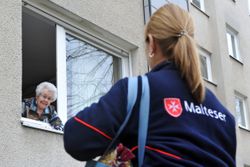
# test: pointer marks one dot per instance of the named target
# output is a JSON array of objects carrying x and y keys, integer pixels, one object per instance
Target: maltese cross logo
[{"x": 173, "y": 106}]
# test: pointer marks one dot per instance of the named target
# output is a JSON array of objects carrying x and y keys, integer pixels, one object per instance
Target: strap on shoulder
[
  {"x": 143, "y": 120},
  {"x": 131, "y": 99}
]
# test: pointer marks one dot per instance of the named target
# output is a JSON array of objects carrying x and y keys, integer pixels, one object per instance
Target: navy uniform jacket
[{"x": 181, "y": 132}]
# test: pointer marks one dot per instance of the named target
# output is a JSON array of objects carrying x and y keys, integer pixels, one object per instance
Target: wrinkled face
[{"x": 44, "y": 99}]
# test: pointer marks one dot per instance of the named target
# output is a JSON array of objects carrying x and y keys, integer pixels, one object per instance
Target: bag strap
[
  {"x": 143, "y": 115},
  {"x": 143, "y": 119},
  {"x": 131, "y": 99}
]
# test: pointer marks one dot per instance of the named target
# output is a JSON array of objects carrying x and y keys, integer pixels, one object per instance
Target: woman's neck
[{"x": 39, "y": 112}]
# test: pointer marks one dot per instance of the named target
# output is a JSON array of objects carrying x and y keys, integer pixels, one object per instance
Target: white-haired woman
[{"x": 40, "y": 108}]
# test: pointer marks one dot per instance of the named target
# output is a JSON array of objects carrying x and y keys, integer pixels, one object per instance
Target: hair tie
[{"x": 183, "y": 32}]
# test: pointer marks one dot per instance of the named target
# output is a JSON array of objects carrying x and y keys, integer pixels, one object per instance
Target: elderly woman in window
[{"x": 40, "y": 108}]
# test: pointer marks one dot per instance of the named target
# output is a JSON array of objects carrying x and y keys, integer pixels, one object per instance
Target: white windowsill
[
  {"x": 210, "y": 82},
  {"x": 239, "y": 61},
  {"x": 243, "y": 128},
  {"x": 38, "y": 125}
]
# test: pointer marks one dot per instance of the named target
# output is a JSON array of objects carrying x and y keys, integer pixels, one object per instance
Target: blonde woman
[{"x": 188, "y": 126}]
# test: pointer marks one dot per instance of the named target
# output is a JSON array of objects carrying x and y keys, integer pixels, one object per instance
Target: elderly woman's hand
[{"x": 58, "y": 127}]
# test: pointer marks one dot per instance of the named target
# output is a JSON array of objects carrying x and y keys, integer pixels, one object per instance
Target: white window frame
[
  {"x": 231, "y": 44},
  {"x": 248, "y": 7},
  {"x": 207, "y": 55},
  {"x": 61, "y": 68},
  {"x": 242, "y": 98},
  {"x": 63, "y": 27},
  {"x": 202, "y": 5}
]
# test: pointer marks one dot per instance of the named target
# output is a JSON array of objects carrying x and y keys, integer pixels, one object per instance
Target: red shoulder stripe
[
  {"x": 163, "y": 152},
  {"x": 159, "y": 151},
  {"x": 93, "y": 128}
]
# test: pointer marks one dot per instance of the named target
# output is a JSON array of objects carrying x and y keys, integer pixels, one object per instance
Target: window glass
[
  {"x": 240, "y": 110},
  {"x": 206, "y": 69},
  {"x": 182, "y": 3},
  {"x": 199, "y": 4},
  {"x": 90, "y": 73},
  {"x": 230, "y": 44},
  {"x": 204, "y": 66},
  {"x": 156, "y": 4}
]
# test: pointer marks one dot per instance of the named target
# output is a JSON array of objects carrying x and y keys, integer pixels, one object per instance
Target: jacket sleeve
[
  {"x": 88, "y": 134},
  {"x": 54, "y": 120}
]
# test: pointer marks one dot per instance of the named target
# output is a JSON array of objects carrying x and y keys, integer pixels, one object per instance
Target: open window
[{"x": 82, "y": 68}]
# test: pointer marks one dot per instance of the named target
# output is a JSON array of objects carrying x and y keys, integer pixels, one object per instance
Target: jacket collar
[{"x": 165, "y": 64}]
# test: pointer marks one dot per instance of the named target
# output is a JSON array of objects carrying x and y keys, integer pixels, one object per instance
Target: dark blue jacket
[{"x": 181, "y": 132}]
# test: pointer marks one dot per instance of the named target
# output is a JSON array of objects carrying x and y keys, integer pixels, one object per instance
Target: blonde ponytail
[
  {"x": 173, "y": 29},
  {"x": 186, "y": 59}
]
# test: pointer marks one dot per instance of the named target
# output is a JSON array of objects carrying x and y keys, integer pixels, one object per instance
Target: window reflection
[
  {"x": 150, "y": 6},
  {"x": 240, "y": 114},
  {"x": 204, "y": 71},
  {"x": 90, "y": 74}
]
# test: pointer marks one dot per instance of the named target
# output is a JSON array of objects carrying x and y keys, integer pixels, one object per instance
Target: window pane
[
  {"x": 156, "y": 4},
  {"x": 197, "y": 3},
  {"x": 240, "y": 111},
  {"x": 204, "y": 70},
  {"x": 229, "y": 44},
  {"x": 233, "y": 40},
  {"x": 90, "y": 74},
  {"x": 182, "y": 3}
]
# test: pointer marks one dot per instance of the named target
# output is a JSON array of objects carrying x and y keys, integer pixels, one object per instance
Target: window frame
[
  {"x": 63, "y": 27},
  {"x": 233, "y": 43},
  {"x": 242, "y": 98}
]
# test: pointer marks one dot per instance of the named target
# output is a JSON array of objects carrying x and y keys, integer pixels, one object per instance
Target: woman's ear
[{"x": 151, "y": 45}]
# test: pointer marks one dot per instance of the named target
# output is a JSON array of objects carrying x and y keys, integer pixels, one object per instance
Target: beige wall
[{"x": 26, "y": 147}]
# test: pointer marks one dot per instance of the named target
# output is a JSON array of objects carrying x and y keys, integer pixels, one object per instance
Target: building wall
[{"x": 21, "y": 146}]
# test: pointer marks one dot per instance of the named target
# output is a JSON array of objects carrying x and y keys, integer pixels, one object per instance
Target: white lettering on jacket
[{"x": 203, "y": 110}]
